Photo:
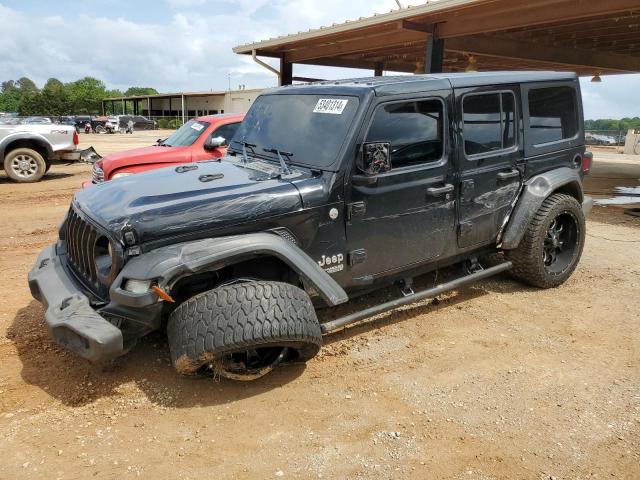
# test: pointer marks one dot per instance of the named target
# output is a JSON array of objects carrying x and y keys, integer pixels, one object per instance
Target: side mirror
[
  {"x": 214, "y": 142},
  {"x": 160, "y": 141},
  {"x": 376, "y": 158}
]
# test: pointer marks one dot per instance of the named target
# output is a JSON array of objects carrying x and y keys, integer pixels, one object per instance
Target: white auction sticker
[
  {"x": 197, "y": 126},
  {"x": 334, "y": 106}
]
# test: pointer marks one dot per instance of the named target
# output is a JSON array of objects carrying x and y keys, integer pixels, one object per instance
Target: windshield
[
  {"x": 186, "y": 134},
  {"x": 311, "y": 127}
]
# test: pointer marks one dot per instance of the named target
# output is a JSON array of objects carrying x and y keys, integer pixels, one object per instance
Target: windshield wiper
[
  {"x": 246, "y": 145},
  {"x": 244, "y": 150},
  {"x": 281, "y": 154}
]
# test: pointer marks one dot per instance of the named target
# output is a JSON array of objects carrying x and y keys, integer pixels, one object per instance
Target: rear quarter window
[{"x": 553, "y": 115}]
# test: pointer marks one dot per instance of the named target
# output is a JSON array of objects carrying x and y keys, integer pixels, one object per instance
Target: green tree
[
  {"x": 86, "y": 95},
  {"x": 27, "y": 86},
  {"x": 31, "y": 104},
  {"x": 54, "y": 98},
  {"x": 133, "y": 91},
  {"x": 9, "y": 96}
]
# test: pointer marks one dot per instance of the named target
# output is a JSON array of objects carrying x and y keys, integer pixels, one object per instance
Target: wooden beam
[
  {"x": 416, "y": 27},
  {"x": 497, "y": 47},
  {"x": 354, "y": 46},
  {"x": 525, "y": 13},
  {"x": 393, "y": 66}
]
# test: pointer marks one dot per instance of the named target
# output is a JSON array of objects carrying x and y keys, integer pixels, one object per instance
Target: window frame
[
  {"x": 421, "y": 166},
  {"x": 516, "y": 125},
  {"x": 532, "y": 149},
  {"x": 213, "y": 133}
]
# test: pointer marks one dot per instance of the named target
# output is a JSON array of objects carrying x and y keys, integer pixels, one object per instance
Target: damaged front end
[
  {"x": 89, "y": 155},
  {"x": 77, "y": 282}
]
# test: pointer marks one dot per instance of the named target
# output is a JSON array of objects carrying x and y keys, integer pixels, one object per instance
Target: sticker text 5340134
[{"x": 334, "y": 106}]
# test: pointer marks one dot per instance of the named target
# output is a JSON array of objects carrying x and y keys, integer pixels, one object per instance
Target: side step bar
[{"x": 399, "y": 302}]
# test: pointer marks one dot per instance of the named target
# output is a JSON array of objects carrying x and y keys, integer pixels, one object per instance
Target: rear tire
[
  {"x": 552, "y": 245},
  {"x": 24, "y": 165},
  {"x": 243, "y": 331}
]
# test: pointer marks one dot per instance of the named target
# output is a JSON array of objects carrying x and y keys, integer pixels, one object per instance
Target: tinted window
[
  {"x": 226, "y": 131},
  {"x": 552, "y": 114},
  {"x": 414, "y": 130},
  {"x": 489, "y": 122},
  {"x": 186, "y": 134},
  {"x": 304, "y": 125}
]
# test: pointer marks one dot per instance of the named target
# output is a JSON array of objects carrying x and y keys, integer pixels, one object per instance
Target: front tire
[
  {"x": 552, "y": 245},
  {"x": 243, "y": 331},
  {"x": 24, "y": 165}
]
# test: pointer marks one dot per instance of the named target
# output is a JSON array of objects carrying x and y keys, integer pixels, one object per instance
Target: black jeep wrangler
[{"x": 328, "y": 190}]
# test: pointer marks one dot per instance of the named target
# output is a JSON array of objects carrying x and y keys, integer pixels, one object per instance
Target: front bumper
[{"x": 71, "y": 320}]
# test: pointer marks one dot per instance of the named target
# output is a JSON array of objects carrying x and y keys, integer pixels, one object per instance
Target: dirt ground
[{"x": 495, "y": 381}]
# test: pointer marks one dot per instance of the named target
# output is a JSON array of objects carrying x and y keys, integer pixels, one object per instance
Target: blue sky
[{"x": 175, "y": 45}]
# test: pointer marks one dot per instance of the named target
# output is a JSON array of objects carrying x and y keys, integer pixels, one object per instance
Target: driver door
[{"x": 406, "y": 215}]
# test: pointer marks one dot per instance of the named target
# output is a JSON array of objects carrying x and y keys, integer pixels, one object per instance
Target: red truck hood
[{"x": 142, "y": 156}]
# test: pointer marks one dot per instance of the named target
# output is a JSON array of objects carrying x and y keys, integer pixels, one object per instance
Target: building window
[
  {"x": 489, "y": 122},
  {"x": 552, "y": 115},
  {"x": 414, "y": 129}
]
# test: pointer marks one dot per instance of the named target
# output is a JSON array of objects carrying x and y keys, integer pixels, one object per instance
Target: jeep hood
[
  {"x": 192, "y": 199},
  {"x": 141, "y": 156}
]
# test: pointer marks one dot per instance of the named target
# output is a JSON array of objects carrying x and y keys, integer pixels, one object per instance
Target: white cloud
[{"x": 191, "y": 49}]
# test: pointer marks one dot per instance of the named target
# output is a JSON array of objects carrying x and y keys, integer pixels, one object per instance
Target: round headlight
[
  {"x": 104, "y": 257},
  {"x": 120, "y": 175}
]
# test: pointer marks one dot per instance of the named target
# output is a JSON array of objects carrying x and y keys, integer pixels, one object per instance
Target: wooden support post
[
  {"x": 286, "y": 72},
  {"x": 437, "y": 55},
  {"x": 378, "y": 70},
  {"x": 434, "y": 55}
]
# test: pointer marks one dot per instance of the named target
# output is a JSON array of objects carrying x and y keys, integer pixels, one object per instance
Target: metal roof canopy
[{"x": 585, "y": 36}]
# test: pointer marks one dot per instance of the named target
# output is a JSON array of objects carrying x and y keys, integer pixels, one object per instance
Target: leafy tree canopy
[{"x": 84, "y": 96}]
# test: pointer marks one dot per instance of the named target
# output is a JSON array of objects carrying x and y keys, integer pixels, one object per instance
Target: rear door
[
  {"x": 489, "y": 149},
  {"x": 407, "y": 216}
]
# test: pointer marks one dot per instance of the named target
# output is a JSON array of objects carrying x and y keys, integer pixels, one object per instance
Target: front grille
[
  {"x": 97, "y": 174},
  {"x": 81, "y": 239}
]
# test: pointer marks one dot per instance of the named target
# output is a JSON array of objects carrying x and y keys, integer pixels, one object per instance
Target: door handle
[
  {"x": 508, "y": 175},
  {"x": 437, "y": 191}
]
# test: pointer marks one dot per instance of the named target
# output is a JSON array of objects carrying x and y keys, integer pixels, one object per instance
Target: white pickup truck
[{"x": 28, "y": 151}]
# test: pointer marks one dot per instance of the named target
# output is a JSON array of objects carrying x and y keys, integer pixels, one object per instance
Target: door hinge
[
  {"x": 357, "y": 256},
  {"x": 355, "y": 209}
]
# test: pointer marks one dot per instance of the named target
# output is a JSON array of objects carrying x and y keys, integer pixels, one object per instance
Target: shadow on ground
[
  {"x": 47, "y": 177},
  {"x": 75, "y": 382}
]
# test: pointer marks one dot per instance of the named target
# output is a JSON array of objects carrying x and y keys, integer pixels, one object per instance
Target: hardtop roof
[{"x": 397, "y": 84}]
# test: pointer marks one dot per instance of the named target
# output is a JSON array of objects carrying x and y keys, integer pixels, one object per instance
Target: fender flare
[
  {"x": 168, "y": 264},
  {"x": 534, "y": 193},
  {"x": 18, "y": 136}
]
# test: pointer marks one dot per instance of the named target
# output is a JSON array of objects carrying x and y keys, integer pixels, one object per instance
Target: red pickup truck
[{"x": 200, "y": 139}]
